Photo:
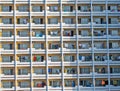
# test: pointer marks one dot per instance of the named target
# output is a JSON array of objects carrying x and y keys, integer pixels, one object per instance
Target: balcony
[
  {"x": 99, "y": 34},
  {"x": 55, "y": 84},
  {"x": 114, "y": 34},
  {"x": 53, "y": 71},
  {"x": 70, "y": 72},
  {"x": 39, "y": 84},
  {"x": 114, "y": 58},
  {"x": 86, "y": 47},
  {"x": 11, "y": 38},
  {"x": 69, "y": 47},
  {"x": 84, "y": 34},
  {"x": 101, "y": 46},
  {"x": 53, "y": 10},
  {"x": 86, "y": 83},
  {"x": 69, "y": 35},
  {"x": 83, "y": 58},
  {"x": 70, "y": 84},
  {"x": 54, "y": 47},
  {"x": 114, "y": 46}
]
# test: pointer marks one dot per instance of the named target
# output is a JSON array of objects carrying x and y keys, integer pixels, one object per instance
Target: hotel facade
[{"x": 59, "y": 45}]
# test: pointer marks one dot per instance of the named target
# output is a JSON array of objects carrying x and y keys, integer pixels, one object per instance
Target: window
[
  {"x": 8, "y": 72},
  {"x": 97, "y": 20},
  {"x": 84, "y": 70},
  {"x": 69, "y": 83},
  {"x": 39, "y": 71},
  {"x": 114, "y": 21},
  {"x": 55, "y": 70},
  {"x": 84, "y": 20},
  {"x": 23, "y": 33},
  {"x": 23, "y": 8},
  {"x": 38, "y": 20},
  {"x": 6, "y": 58},
  {"x": 53, "y": 8},
  {"x": 55, "y": 83},
  {"x": 55, "y": 58},
  {"x": 99, "y": 45},
  {"x": 84, "y": 8},
  {"x": 67, "y": 8},
  {"x": 113, "y": 8},
  {"x": 84, "y": 33},
  {"x": 37, "y": 8},
  {"x": 24, "y": 59},
  {"x": 68, "y": 58},
  {"x": 7, "y": 46},
  {"x": 54, "y": 33},
  {"x": 38, "y": 46},
  {"x": 6, "y": 33},
  {"x": 53, "y": 21},
  {"x": 86, "y": 83},
  {"x": 24, "y": 84},
  {"x": 23, "y": 72},
  {"x": 6, "y": 8},
  {"x": 6, "y": 20},
  {"x": 115, "y": 70},
  {"x": 84, "y": 46},
  {"x": 114, "y": 32},
  {"x": 7, "y": 84},
  {"x": 68, "y": 33},
  {"x": 22, "y": 21},
  {"x": 68, "y": 20},
  {"x": 54, "y": 46},
  {"x": 69, "y": 45},
  {"x": 115, "y": 45},
  {"x": 22, "y": 46},
  {"x": 96, "y": 8}
]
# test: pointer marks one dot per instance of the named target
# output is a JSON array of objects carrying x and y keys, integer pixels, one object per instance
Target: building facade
[{"x": 59, "y": 45}]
